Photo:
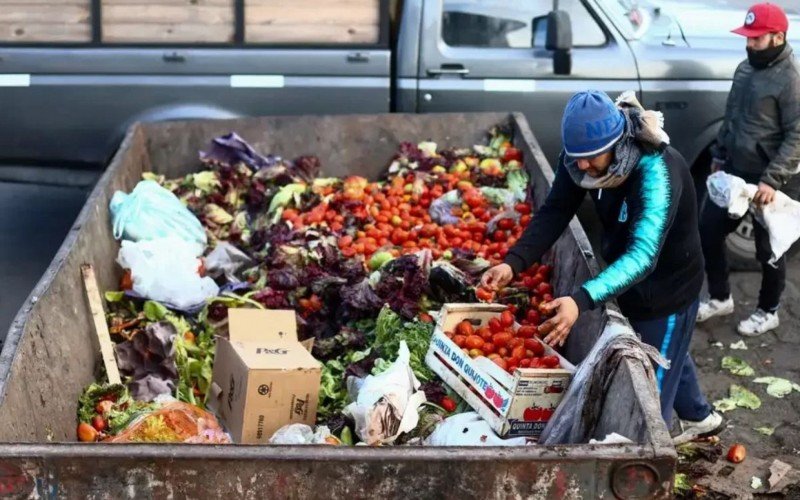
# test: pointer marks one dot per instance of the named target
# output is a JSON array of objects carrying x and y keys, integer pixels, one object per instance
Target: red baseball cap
[{"x": 763, "y": 18}]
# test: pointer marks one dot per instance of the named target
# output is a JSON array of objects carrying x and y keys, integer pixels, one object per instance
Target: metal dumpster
[{"x": 49, "y": 357}]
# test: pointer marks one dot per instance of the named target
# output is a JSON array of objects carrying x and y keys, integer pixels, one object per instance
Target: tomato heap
[
  {"x": 395, "y": 216},
  {"x": 508, "y": 346}
]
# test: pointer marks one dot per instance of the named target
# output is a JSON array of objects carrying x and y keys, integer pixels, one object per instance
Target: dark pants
[
  {"x": 715, "y": 226},
  {"x": 678, "y": 385}
]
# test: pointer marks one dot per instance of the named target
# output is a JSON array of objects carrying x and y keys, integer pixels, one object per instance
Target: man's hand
[
  {"x": 558, "y": 327},
  {"x": 497, "y": 277},
  {"x": 765, "y": 194},
  {"x": 717, "y": 165}
]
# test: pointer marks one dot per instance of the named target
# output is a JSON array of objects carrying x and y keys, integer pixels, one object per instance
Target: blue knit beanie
[{"x": 592, "y": 124}]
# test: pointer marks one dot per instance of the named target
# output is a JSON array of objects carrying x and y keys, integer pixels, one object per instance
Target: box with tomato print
[{"x": 516, "y": 401}]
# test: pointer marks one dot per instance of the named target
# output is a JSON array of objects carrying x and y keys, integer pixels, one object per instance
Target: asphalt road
[{"x": 34, "y": 219}]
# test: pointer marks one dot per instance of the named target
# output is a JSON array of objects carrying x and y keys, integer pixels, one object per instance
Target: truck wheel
[{"x": 742, "y": 247}]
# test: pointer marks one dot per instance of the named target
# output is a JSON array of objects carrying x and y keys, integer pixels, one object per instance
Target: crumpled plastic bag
[
  {"x": 577, "y": 416},
  {"x": 173, "y": 423},
  {"x": 386, "y": 405},
  {"x": 165, "y": 270},
  {"x": 781, "y": 218},
  {"x": 468, "y": 429},
  {"x": 441, "y": 208},
  {"x": 226, "y": 260},
  {"x": 303, "y": 434},
  {"x": 152, "y": 212}
]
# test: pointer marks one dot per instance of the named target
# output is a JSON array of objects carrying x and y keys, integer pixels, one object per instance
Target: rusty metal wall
[{"x": 48, "y": 357}]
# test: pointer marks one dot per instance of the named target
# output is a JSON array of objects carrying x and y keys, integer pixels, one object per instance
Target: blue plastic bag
[{"x": 152, "y": 212}]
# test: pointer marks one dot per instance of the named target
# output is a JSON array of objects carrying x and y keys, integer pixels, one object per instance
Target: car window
[{"x": 505, "y": 24}]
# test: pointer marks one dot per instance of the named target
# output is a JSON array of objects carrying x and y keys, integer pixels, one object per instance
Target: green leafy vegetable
[
  {"x": 114, "y": 296},
  {"x": 391, "y": 329},
  {"x": 737, "y": 366},
  {"x": 778, "y": 387}
]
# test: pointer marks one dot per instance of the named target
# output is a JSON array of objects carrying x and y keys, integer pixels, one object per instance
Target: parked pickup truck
[{"x": 71, "y": 90}]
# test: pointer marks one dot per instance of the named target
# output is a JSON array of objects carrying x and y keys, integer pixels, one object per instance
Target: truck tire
[{"x": 742, "y": 247}]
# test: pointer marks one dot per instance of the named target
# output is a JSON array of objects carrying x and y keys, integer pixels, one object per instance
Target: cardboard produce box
[
  {"x": 518, "y": 405},
  {"x": 264, "y": 378}
]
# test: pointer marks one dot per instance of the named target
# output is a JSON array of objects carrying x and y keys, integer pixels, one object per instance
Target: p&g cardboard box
[{"x": 264, "y": 378}]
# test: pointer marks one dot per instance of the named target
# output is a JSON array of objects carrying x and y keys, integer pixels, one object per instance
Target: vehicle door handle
[
  {"x": 358, "y": 57},
  {"x": 449, "y": 69},
  {"x": 173, "y": 57}
]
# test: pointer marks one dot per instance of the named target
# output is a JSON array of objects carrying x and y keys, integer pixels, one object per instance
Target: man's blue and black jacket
[{"x": 650, "y": 237}]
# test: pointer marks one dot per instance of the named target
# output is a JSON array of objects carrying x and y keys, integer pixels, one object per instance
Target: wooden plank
[
  {"x": 357, "y": 13},
  {"x": 181, "y": 3},
  {"x": 166, "y": 14},
  {"x": 167, "y": 33},
  {"x": 45, "y": 14},
  {"x": 25, "y": 3},
  {"x": 100, "y": 325},
  {"x": 311, "y": 34},
  {"x": 18, "y": 32}
]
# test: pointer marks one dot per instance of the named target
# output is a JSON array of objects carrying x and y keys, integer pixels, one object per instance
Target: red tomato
[
  {"x": 465, "y": 328},
  {"x": 474, "y": 342},
  {"x": 544, "y": 288},
  {"x": 505, "y": 224},
  {"x": 488, "y": 348},
  {"x": 459, "y": 340},
  {"x": 495, "y": 325},
  {"x": 501, "y": 339},
  {"x": 507, "y": 319},
  {"x": 525, "y": 363},
  {"x": 533, "y": 316},
  {"x": 484, "y": 295},
  {"x": 500, "y": 362},
  {"x": 485, "y": 333},
  {"x": 535, "y": 346},
  {"x": 519, "y": 352},
  {"x": 448, "y": 404},
  {"x": 523, "y": 208},
  {"x": 551, "y": 361},
  {"x": 425, "y": 318},
  {"x": 502, "y": 351},
  {"x": 499, "y": 236},
  {"x": 526, "y": 331},
  {"x": 515, "y": 342}
]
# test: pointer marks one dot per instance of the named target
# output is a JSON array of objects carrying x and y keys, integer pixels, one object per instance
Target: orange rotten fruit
[{"x": 736, "y": 453}]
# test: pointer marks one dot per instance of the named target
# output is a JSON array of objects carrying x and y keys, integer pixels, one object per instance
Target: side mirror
[{"x": 559, "y": 40}]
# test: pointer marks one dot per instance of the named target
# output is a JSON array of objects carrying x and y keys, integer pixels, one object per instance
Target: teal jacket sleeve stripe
[{"x": 651, "y": 214}]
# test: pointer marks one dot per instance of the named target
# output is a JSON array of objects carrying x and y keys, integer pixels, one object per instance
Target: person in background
[
  {"x": 644, "y": 196},
  {"x": 759, "y": 141}
]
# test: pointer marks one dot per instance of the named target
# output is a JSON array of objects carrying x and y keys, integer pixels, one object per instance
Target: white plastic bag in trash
[
  {"x": 151, "y": 212},
  {"x": 303, "y": 434},
  {"x": 165, "y": 270},
  {"x": 386, "y": 404},
  {"x": 468, "y": 429},
  {"x": 781, "y": 218}
]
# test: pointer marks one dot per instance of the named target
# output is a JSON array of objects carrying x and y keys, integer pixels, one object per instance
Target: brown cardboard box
[{"x": 263, "y": 377}]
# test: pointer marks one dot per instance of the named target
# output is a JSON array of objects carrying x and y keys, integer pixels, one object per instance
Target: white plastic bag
[
  {"x": 468, "y": 429},
  {"x": 303, "y": 434},
  {"x": 151, "y": 212},
  {"x": 387, "y": 404},
  {"x": 781, "y": 218},
  {"x": 165, "y": 270}
]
